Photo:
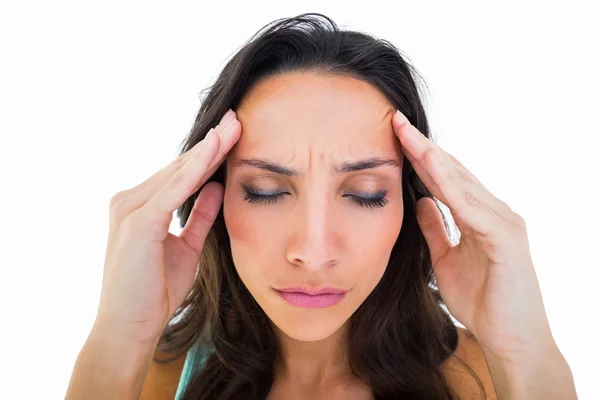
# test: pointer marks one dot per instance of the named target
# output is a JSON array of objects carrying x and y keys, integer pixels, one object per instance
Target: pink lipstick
[{"x": 312, "y": 297}]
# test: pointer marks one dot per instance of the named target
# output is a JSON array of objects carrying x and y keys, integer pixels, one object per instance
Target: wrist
[
  {"x": 546, "y": 376},
  {"x": 110, "y": 366},
  {"x": 129, "y": 358}
]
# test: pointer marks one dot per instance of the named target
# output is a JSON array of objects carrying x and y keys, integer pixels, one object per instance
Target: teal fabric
[{"x": 195, "y": 359}]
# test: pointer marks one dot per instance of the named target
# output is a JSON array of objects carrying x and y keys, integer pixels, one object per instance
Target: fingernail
[
  {"x": 210, "y": 134},
  {"x": 227, "y": 117},
  {"x": 229, "y": 128},
  {"x": 401, "y": 117}
]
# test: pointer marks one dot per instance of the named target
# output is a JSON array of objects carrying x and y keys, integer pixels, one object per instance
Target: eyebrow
[{"x": 346, "y": 167}]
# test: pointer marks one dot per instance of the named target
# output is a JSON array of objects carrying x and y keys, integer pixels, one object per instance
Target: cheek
[
  {"x": 237, "y": 221},
  {"x": 244, "y": 225},
  {"x": 239, "y": 226},
  {"x": 376, "y": 233},
  {"x": 373, "y": 246},
  {"x": 249, "y": 239}
]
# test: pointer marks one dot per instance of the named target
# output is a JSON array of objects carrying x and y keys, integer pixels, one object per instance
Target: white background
[{"x": 95, "y": 97}]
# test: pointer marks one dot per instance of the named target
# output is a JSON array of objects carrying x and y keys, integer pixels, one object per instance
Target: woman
[{"x": 318, "y": 276}]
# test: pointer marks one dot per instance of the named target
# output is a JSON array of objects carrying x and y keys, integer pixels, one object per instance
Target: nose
[{"x": 315, "y": 241}]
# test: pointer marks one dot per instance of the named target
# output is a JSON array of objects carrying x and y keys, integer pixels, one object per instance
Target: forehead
[{"x": 294, "y": 112}]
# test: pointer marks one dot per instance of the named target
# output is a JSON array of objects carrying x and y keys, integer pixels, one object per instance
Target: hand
[
  {"x": 148, "y": 271},
  {"x": 487, "y": 281}
]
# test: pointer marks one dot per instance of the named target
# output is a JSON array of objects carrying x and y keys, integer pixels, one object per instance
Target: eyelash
[{"x": 373, "y": 202}]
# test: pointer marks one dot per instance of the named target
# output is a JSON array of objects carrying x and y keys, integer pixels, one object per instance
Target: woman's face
[{"x": 321, "y": 227}]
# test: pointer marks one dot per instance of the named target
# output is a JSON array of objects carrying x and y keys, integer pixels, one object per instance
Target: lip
[
  {"x": 313, "y": 291},
  {"x": 317, "y": 298}
]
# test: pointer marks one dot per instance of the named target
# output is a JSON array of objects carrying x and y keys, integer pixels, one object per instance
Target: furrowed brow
[{"x": 346, "y": 167}]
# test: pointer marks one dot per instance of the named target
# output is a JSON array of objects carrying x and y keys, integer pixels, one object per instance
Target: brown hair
[{"x": 400, "y": 336}]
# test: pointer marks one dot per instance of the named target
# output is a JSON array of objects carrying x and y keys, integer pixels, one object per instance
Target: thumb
[
  {"x": 431, "y": 223},
  {"x": 203, "y": 215}
]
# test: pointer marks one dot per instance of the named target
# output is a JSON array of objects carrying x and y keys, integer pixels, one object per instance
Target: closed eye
[{"x": 377, "y": 200}]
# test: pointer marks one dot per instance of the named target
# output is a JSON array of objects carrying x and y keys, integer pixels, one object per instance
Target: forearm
[
  {"x": 547, "y": 376},
  {"x": 108, "y": 367}
]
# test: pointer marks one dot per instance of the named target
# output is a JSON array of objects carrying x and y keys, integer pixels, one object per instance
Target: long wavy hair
[{"x": 400, "y": 335}]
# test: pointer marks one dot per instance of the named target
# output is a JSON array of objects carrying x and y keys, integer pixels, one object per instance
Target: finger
[
  {"x": 157, "y": 180},
  {"x": 138, "y": 196},
  {"x": 185, "y": 181},
  {"x": 229, "y": 137},
  {"x": 500, "y": 207},
  {"x": 432, "y": 225},
  {"x": 451, "y": 183},
  {"x": 202, "y": 217},
  {"x": 421, "y": 172},
  {"x": 224, "y": 146},
  {"x": 189, "y": 178},
  {"x": 124, "y": 206},
  {"x": 461, "y": 172}
]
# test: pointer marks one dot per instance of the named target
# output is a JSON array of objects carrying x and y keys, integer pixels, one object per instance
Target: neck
[{"x": 313, "y": 364}]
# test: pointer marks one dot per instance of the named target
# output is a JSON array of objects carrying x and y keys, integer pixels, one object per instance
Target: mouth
[{"x": 312, "y": 298}]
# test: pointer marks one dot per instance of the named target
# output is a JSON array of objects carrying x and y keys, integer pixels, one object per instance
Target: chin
[{"x": 307, "y": 328}]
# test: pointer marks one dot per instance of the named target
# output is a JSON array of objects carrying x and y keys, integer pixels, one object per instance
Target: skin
[
  {"x": 315, "y": 235},
  {"x": 339, "y": 119},
  {"x": 334, "y": 114}
]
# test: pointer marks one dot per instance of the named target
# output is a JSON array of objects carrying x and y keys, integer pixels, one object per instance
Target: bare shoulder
[
  {"x": 463, "y": 383},
  {"x": 162, "y": 379}
]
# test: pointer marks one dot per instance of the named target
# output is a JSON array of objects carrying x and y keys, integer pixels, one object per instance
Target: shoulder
[
  {"x": 162, "y": 379},
  {"x": 459, "y": 378}
]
